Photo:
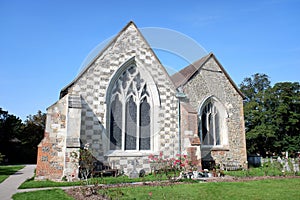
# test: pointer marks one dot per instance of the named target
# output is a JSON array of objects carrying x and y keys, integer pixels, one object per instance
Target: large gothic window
[
  {"x": 210, "y": 124},
  {"x": 130, "y": 112}
]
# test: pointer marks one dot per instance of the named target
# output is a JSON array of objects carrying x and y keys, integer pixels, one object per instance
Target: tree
[
  {"x": 254, "y": 85},
  {"x": 285, "y": 101},
  {"x": 19, "y": 140},
  {"x": 259, "y": 132},
  {"x": 32, "y": 134},
  {"x": 1, "y": 158},
  {"x": 10, "y": 130},
  {"x": 271, "y": 115}
]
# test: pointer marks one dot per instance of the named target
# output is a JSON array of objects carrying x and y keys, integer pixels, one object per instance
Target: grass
[
  {"x": 262, "y": 189},
  {"x": 6, "y": 171},
  {"x": 269, "y": 170},
  {"x": 42, "y": 194},
  {"x": 260, "y": 171},
  {"x": 31, "y": 183}
]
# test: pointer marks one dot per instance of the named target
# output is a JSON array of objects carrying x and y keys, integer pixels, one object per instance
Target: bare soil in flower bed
[
  {"x": 91, "y": 192},
  {"x": 85, "y": 193}
]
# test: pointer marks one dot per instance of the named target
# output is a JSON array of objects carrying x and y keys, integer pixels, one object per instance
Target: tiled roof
[{"x": 181, "y": 77}]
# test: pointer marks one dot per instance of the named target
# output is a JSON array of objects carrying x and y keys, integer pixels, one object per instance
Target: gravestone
[{"x": 134, "y": 173}]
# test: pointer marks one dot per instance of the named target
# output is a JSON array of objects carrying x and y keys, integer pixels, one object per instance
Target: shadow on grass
[
  {"x": 9, "y": 170},
  {"x": 6, "y": 171}
]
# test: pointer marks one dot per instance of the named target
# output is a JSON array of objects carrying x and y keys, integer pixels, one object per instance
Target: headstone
[
  {"x": 295, "y": 166},
  {"x": 134, "y": 173},
  {"x": 286, "y": 166},
  {"x": 195, "y": 174}
]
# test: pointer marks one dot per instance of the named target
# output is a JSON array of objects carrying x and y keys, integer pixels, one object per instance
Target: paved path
[{"x": 11, "y": 184}]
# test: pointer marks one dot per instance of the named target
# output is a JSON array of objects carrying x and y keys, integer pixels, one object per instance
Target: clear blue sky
[{"x": 44, "y": 42}]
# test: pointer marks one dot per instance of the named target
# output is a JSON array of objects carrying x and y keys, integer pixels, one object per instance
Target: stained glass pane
[
  {"x": 217, "y": 130},
  {"x": 130, "y": 133},
  {"x": 116, "y": 125},
  {"x": 204, "y": 129},
  {"x": 211, "y": 129},
  {"x": 144, "y": 125}
]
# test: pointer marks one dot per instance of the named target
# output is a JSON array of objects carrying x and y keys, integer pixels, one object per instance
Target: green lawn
[
  {"x": 260, "y": 171},
  {"x": 106, "y": 180},
  {"x": 42, "y": 194},
  {"x": 263, "y": 189},
  {"x": 5, "y": 171}
]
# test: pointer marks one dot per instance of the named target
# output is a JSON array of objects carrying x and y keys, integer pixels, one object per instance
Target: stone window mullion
[
  {"x": 208, "y": 127},
  {"x": 138, "y": 110},
  {"x": 214, "y": 128},
  {"x": 123, "y": 123}
]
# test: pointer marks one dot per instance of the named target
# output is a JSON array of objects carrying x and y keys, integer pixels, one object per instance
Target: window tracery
[
  {"x": 130, "y": 112},
  {"x": 210, "y": 124}
]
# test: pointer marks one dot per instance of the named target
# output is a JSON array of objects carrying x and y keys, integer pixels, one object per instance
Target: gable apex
[
  {"x": 130, "y": 25},
  {"x": 183, "y": 76},
  {"x": 64, "y": 91}
]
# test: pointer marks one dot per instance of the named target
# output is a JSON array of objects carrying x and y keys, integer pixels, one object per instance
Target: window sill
[
  {"x": 216, "y": 148},
  {"x": 129, "y": 153}
]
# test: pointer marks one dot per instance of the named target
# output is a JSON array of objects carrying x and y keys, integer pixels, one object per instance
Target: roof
[
  {"x": 183, "y": 76},
  {"x": 179, "y": 79}
]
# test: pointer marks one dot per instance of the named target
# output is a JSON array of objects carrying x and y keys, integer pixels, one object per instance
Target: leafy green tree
[
  {"x": 32, "y": 134},
  {"x": 258, "y": 131},
  {"x": 285, "y": 101},
  {"x": 1, "y": 158},
  {"x": 19, "y": 140},
  {"x": 10, "y": 130},
  {"x": 271, "y": 115},
  {"x": 251, "y": 86}
]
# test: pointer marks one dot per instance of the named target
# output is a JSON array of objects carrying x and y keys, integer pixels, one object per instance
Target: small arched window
[{"x": 212, "y": 126}]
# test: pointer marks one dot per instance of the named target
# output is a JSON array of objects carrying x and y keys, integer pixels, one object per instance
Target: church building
[{"x": 126, "y": 107}]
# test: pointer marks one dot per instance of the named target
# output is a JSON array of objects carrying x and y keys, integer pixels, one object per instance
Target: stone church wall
[
  {"x": 51, "y": 150},
  {"x": 93, "y": 84},
  {"x": 189, "y": 131},
  {"x": 212, "y": 81},
  {"x": 80, "y": 117},
  {"x": 60, "y": 140}
]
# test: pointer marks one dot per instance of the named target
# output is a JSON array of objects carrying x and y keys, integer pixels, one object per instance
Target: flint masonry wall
[
  {"x": 92, "y": 86},
  {"x": 60, "y": 140},
  {"x": 212, "y": 81},
  {"x": 51, "y": 150}
]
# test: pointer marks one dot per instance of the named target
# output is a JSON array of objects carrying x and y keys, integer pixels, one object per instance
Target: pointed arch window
[
  {"x": 210, "y": 124},
  {"x": 130, "y": 112}
]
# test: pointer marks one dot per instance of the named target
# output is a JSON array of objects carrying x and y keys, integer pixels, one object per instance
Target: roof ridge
[{"x": 183, "y": 76}]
